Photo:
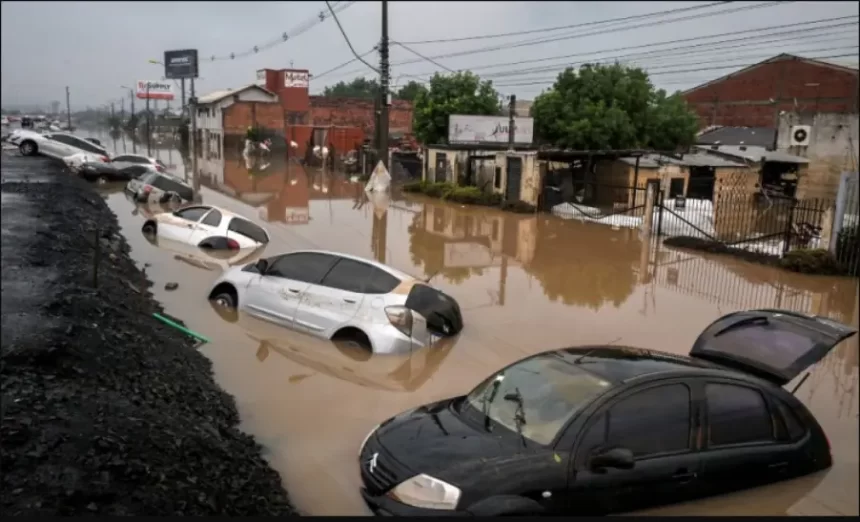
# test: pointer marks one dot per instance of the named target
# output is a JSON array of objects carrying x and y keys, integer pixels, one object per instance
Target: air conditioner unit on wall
[{"x": 800, "y": 135}]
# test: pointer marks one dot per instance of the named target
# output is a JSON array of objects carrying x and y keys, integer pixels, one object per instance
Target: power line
[
  {"x": 560, "y": 27},
  {"x": 582, "y": 35},
  {"x": 756, "y": 36},
  {"x": 736, "y": 66},
  {"x": 416, "y": 53},
  {"x": 300, "y": 29},
  {"x": 345, "y": 37},
  {"x": 344, "y": 64}
]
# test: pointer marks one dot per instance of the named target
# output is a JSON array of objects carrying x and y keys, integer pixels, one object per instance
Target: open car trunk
[
  {"x": 776, "y": 345},
  {"x": 441, "y": 310}
]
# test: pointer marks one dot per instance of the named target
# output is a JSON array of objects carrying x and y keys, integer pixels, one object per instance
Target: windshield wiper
[
  {"x": 489, "y": 397},
  {"x": 520, "y": 415}
]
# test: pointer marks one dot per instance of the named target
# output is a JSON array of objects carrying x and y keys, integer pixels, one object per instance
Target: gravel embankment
[{"x": 105, "y": 410}]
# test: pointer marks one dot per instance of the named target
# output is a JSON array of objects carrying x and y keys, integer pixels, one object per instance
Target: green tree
[
  {"x": 409, "y": 91},
  {"x": 459, "y": 93},
  {"x": 611, "y": 107},
  {"x": 357, "y": 88}
]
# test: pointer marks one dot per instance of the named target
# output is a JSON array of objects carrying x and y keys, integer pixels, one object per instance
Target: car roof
[
  {"x": 403, "y": 276},
  {"x": 619, "y": 364},
  {"x": 224, "y": 212}
]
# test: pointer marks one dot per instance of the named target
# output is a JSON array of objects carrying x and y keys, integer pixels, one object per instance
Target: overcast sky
[{"x": 95, "y": 47}]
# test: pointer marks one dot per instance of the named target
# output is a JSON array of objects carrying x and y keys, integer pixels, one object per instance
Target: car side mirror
[
  {"x": 261, "y": 265},
  {"x": 617, "y": 458}
]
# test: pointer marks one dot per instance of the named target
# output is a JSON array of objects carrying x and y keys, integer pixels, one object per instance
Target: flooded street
[{"x": 525, "y": 284}]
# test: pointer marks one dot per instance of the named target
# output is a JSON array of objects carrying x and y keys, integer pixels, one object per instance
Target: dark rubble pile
[{"x": 106, "y": 410}]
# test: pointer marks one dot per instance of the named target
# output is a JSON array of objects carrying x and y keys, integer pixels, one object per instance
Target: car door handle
[
  {"x": 683, "y": 476},
  {"x": 778, "y": 466},
  {"x": 348, "y": 300},
  {"x": 293, "y": 290},
  {"x": 190, "y": 226}
]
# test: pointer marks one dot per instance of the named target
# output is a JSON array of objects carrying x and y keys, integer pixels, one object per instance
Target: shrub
[
  {"x": 465, "y": 195},
  {"x": 811, "y": 261},
  {"x": 414, "y": 186}
]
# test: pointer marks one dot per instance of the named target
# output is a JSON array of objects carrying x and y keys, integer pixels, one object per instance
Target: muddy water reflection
[{"x": 525, "y": 283}]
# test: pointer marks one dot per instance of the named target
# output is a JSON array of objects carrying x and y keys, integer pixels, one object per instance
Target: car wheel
[
  {"x": 150, "y": 228},
  {"x": 355, "y": 341},
  {"x": 225, "y": 300},
  {"x": 28, "y": 148}
]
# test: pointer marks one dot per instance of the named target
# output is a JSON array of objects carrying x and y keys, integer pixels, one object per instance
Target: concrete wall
[
  {"x": 754, "y": 97},
  {"x": 834, "y": 148},
  {"x": 531, "y": 176}
]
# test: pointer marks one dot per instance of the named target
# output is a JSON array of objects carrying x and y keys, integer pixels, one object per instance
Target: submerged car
[
  {"x": 75, "y": 161},
  {"x": 207, "y": 227},
  {"x": 603, "y": 429},
  {"x": 127, "y": 160},
  {"x": 104, "y": 172},
  {"x": 338, "y": 296},
  {"x": 159, "y": 188},
  {"x": 209, "y": 259},
  {"x": 57, "y": 145}
]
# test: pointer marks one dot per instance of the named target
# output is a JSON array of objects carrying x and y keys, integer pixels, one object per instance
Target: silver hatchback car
[{"x": 341, "y": 297}]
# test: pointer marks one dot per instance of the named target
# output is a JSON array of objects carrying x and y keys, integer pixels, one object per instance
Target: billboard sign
[
  {"x": 489, "y": 129},
  {"x": 261, "y": 78},
  {"x": 154, "y": 90},
  {"x": 297, "y": 79},
  {"x": 180, "y": 64}
]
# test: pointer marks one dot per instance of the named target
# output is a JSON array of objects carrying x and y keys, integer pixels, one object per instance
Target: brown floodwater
[{"x": 525, "y": 284}]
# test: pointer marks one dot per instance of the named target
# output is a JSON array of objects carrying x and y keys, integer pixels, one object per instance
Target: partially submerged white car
[
  {"x": 207, "y": 226},
  {"x": 77, "y": 160}
]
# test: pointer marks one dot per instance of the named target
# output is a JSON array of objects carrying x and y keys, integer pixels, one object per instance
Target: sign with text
[
  {"x": 297, "y": 79},
  {"x": 154, "y": 90},
  {"x": 181, "y": 64},
  {"x": 489, "y": 129}
]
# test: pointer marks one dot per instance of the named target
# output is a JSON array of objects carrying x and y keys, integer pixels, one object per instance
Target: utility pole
[
  {"x": 134, "y": 130},
  {"x": 512, "y": 111},
  {"x": 148, "y": 124},
  {"x": 192, "y": 140},
  {"x": 122, "y": 108},
  {"x": 111, "y": 110},
  {"x": 182, "y": 94},
  {"x": 68, "y": 110},
  {"x": 385, "y": 73}
]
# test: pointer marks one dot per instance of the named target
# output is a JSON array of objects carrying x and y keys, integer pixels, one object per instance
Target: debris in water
[{"x": 171, "y": 286}]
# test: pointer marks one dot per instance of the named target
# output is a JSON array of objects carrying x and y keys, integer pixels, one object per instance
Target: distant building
[
  {"x": 55, "y": 107},
  {"x": 756, "y": 95}
]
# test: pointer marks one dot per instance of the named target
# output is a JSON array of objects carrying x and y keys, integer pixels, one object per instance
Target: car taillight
[
  {"x": 104, "y": 159},
  {"x": 147, "y": 189},
  {"x": 401, "y": 318},
  {"x": 159, "y": 168},
  {"x": 232, "y": 244}
]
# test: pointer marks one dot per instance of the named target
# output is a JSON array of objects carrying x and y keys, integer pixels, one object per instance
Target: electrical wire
[
  {"x": 416, "y": 53},
  {"x": 792, "y": 32},
  {"x": 736, "y": 66},
  {"x": 344, "y": 64},
  {"x": 300, "y": 29},
  {"x": 540, "y": 41},
  {"x": 345, "y": 37},
  {"x": 560, "y": 27}
]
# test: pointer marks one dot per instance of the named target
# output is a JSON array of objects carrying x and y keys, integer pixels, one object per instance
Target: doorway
[{"x": 515, "y": 176}]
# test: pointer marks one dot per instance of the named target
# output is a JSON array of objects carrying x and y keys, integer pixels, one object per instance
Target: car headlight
[{"x": 427, "y": 492}]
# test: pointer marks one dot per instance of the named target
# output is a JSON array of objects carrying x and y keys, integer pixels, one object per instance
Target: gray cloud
[{"x": 94, "y": 47}]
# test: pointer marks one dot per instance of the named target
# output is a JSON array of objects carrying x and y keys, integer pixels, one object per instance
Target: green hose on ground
[{"x": 181, "y": 328}]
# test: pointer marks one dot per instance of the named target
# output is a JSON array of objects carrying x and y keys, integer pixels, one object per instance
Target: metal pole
[
  {"x": 192, "y": 107},
  {"x": 182, "y": 89},
  {"x": 385, "y": 74},
  {"x": 148, "y": 124},
  {"x": 512, "y": 110},
  {"x": 68, "y": 109},
  {"x": 134, "y": 130}
]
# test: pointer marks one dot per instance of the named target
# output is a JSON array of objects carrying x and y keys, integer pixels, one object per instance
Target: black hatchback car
[{"x": 603, "y": 429}]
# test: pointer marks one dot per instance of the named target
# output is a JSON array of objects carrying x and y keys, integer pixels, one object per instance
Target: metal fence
[
  {"x": 745, "y": 218},
  {"x": 614, "y": 205},
  {"x": 845, "y": 243}
]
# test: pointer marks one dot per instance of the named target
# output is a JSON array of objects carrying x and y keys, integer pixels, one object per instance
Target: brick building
[{"x": 756, "y": 95}]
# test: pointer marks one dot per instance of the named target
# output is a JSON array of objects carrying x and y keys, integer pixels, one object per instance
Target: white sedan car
[
  {"x": 127, "y": 160},
  {"x": 207, "y": 227},
  {"x": 76, "y": 161},
  {"x": 341, "y": 297},
  {"x": 57, "y": 145}
]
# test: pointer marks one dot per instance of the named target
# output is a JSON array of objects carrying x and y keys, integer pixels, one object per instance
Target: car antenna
[
  {"x": 579, "y": 359},
  {"x": 798, "y": 385}
]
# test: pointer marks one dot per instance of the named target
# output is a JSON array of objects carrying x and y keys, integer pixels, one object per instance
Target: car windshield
[{"x": 536, "y": 397}]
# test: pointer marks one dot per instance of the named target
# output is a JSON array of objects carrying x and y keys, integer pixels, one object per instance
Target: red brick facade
[
  {"x": 353, "y": 112},
  {"x": 753, "y": 97}
]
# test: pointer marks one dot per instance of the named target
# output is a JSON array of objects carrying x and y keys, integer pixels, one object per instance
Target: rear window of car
[
  {"x": 358, "y": 277},
  {"x": 441, "y": 310},
  {"x": 248, "y": 229}
]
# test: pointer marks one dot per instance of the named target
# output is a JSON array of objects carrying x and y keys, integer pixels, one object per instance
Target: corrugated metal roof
[
  {"x": 217, "y": 96},
  {"x": 754, "y": 154},
  {"x": 751, "y": 136},
  {"x": 653, "y": 161}
]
